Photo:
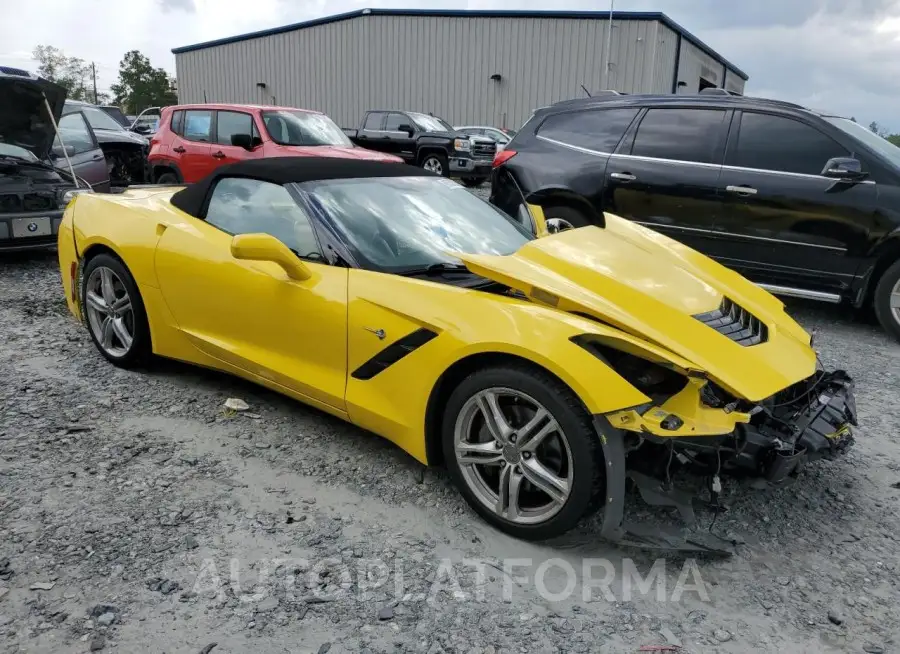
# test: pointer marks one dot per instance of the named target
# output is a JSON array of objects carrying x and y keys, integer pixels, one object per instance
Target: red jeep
[{"x": 195, "y": 139}]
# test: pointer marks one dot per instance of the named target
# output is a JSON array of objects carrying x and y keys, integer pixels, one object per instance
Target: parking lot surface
[{"x": 136, "y": 514}]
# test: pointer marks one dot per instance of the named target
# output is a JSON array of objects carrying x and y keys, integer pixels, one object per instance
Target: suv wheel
[
  {"x": 887, "y": 300},
  {"x": 560, "y": 218},
  {"x": 167, "y": 178}
]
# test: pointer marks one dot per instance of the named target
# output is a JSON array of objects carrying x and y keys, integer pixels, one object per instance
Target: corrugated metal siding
[
  {"x": 442, "y": 65},
  {"x": 666, "y": 51}
]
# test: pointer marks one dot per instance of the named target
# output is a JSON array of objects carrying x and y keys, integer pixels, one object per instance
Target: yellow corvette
[{"x": 543, "y": 370}]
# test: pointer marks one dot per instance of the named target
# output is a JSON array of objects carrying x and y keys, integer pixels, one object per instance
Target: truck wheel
[
  {"x": 887, "y": 300},
  {"x": 561, "y": 218},
  {"x": 473, "y": 182},
  {"x": 436, "y": 163},
  {"x": 167, "y": 178}
]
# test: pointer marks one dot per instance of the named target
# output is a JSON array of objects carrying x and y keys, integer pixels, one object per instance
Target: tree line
[{"x": 138, "y": 86}]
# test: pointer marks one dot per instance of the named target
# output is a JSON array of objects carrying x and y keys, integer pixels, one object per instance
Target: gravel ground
[{"x": 136, "y": 515}]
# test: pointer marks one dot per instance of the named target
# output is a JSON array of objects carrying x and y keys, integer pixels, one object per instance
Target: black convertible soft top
[{"x": 285, "y": 170}]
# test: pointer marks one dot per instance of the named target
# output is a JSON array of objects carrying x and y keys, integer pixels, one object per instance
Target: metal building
[{"x": 471, "y": 67}]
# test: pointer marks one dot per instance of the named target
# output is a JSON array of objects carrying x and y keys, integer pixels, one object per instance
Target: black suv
[{"x": 804, "y": 203}]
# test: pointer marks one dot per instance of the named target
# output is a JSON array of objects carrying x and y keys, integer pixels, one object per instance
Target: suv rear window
[
  {"x": 680, "y": 135},
  {"x": 595, "y": 129}
]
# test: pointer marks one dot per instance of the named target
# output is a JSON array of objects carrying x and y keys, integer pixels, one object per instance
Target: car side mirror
[
  {"x": 265, "y": 247},
  {"x": 406, "y": 127},
  {"x": 57, "y": 152},
  {"x": 847, "y": 169},
  {"x": 245, "y": 141},
  {"x": 532, "y": 216}
]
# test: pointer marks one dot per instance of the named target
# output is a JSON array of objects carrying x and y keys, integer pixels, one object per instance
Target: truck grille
[
  {"x": 736, "y": 323},
  {"x": 27, "y": 202},
  {"x": 484, "y": 150}
]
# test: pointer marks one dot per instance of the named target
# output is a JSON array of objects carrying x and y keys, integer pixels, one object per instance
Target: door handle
[
  {"x": 741, "y": 190},
  {"x": 363, "y": 137},
  {"x": 97, "y": 157},
  {"x": 219, "y": 155},
  {"x": 623, "y": 177},
  {"x": 179, "y": 149}
]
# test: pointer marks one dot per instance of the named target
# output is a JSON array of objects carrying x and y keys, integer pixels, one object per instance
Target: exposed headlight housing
[
  {"x": 67, "y": 196},
  {"x": 462, "y": 145}
]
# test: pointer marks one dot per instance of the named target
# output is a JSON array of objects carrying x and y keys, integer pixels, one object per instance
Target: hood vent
[{"x": 736, "y": 323}]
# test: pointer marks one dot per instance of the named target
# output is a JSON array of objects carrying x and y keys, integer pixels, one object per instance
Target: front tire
[
  {"x": 437, "y": 163},
  {"x": 114, "y": 312},
  {"x": 887, "y": 300},
  {"x": 523, "y": 451}
]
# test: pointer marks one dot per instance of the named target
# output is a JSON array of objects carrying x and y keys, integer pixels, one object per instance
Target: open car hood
[
  {"x": 23, "y": 115},
  {"x": 657, "y": 289}
]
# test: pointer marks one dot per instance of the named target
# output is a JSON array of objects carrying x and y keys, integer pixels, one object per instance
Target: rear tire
[
  {"x": 167, "y": 178},
  {"x": 437, "y": 163},
  {"x": 560, "y": 218},
  {"x": 886, "y": 300},
  {"x": 114, "y": 312},
  {"x": 569, "y": 451}
]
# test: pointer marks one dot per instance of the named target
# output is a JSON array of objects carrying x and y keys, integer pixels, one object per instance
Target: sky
[{"x": 837, "y": 55}]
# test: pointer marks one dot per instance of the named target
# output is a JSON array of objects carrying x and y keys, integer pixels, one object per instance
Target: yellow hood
[{"x": 651, "y": 286}]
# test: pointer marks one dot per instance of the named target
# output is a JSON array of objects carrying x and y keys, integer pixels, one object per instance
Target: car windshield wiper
[{"x": 436, "y": 269}]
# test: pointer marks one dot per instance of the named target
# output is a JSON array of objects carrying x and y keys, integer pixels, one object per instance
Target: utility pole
[
  {"x": 606, "y": 64},
  {"x": 94, "y": 75}
]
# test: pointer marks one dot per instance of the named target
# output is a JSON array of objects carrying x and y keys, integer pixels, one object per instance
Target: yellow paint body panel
[{"x": 305, "y": 337}]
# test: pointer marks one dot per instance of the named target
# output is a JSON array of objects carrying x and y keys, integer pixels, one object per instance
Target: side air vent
[
  {"x": 736, "y": 323},
  {"x": 393, "y": 353}
]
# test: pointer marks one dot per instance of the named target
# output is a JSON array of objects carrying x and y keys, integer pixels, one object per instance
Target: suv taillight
[{"x": 502, "y": 157}]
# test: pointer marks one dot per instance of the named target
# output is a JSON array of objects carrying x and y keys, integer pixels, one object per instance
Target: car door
[
  {"x": 372, "y": 135},
  {"x": 250, "y": 314},
  {"x": 228, "y": 124},
  {"x": 192, "y": 145},
  {"x": 783, "y": 221},
  {"x": 400, "y": 143},
  {"x": 83, "y": 151},
  {"x": 665, "y": 174}
]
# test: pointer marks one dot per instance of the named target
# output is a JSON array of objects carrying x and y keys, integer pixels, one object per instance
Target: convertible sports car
[{"x": 544, "y": 370}]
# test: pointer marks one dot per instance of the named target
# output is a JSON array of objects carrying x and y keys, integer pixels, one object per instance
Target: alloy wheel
[
  {"x": 894, "y": 301},
  {"x": 109, "y": 312},
  {"x": 433, "y": 164},
  {"x": 555, "y": 225},
  {"x": 513, "y": 455}
]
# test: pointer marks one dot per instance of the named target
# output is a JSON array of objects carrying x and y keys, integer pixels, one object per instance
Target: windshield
[
  {"x": 304, "y": 128},
  {"x": 10, "y": 150},
  {"x": 880, "y": 145},
  {"x": 428, "y": 123},
  {"x": 397, "y": 224},
  {"x": 99, "y": 119},
  {"x": 116, "y": 114}
]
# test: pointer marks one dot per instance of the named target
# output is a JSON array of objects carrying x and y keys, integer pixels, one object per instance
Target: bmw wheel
[
  {"x": 887, "y": 300},
  {"x": 114, "y": 312},
  {"x": 435, "y": 163},
  {"x": 523, "y": 451}
]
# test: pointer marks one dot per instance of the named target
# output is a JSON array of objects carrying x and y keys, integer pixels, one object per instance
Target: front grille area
[
  {"x": 27, "y": 202},
  {"x": 736, "y": 323},
  {"x": 484, "y": 150}
]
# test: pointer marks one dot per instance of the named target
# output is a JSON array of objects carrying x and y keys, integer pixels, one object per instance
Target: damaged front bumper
[{"x": 769, "y": 442}]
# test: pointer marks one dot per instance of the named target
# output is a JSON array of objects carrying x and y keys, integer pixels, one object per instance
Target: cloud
[{"x": 177, "y": 5}]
